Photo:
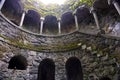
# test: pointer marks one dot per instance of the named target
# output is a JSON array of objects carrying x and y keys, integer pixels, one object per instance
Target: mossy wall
[{"x": 97, "y": 53}]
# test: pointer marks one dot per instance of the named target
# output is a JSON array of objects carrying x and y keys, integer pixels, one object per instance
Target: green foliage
[
  {"x": 55, "y": 9},
  {"x": 88, "y": 2}
]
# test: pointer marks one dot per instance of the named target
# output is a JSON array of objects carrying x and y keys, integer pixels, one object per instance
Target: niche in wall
[
  {"x": 18, "y": 62},
  {"x": 74, "y": 69},
  {"x": 46, "y": 70}
]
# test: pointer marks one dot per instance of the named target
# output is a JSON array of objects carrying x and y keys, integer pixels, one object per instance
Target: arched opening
[
  {"x": 46, "y": 70},
  {"x": 67, "y": 22},
  {"x": 104, "y": 78},
  {"x": 13, "y": 10},
  {"x": 32, "y": 21},
  {"x": 84, "y": 16},
  {"x": 74, "y": 69},
  {"x": 50, "y": 25},
  {"x": 18, "y": 62}
]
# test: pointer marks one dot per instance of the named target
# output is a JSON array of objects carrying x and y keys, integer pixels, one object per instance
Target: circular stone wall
[
  {"x": 97, "y": 54},
  {"x": 92, "y": 63}
]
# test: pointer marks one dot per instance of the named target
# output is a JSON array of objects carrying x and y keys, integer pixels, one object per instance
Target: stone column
[
  {"x": 116, "y": 6},
  {"x": 2, "y": 3},
  {"x": 115, "y": 3},
  {"x": 109, "y": 1},
  {"x": 59, "y": 26},
  {"x": 76, "y": 22},
  {"x": 22, "y": 19},
  {"x": 95, "y": 17},
  {"x": 41, "y": 26}
]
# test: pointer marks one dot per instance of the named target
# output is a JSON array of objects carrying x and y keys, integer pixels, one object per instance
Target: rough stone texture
[
  {"x": 96, "y": 53},
  {"x": 92, "y": 63},
  {"x": 20, "y": 37}
]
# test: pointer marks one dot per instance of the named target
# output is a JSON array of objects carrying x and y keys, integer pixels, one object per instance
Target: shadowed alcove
[
  {"x": 13, "y": 10},
  {"x": 32, "y": 21},
  {"x": 46, "y": 70},
  {"x": 84, "y": 16},
  {"x": 74, "y": 69},
  {"x": 67, "y": 22},
  {"x": 50, "y": 25},
  {"x": 18, "y": 62}
]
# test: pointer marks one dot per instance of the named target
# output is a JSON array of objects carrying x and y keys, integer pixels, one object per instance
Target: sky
[{"x": 52, "y": 1}]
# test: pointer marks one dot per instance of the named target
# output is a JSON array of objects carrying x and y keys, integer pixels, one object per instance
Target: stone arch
[
  {"x": 50, "y": 25},
  {"x": 103, "y": 8},
  {"x": 18, "y": 62},
  {"x": 83, "y": 15},
  {"x": 46, "y": 70},
  {"x": 13, "y": 9},
  {"x": 67, "y": 22},
  {"x": 105, "y": 78},
  {"x": 74, "y": 69},
  {"x": 32, "y": 21}
]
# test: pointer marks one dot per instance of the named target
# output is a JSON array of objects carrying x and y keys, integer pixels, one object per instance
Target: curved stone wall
[
  {"x": 97, "y": 53},
  {"x": 92, "y": 63},
  {"x": 16, "y": 36}
]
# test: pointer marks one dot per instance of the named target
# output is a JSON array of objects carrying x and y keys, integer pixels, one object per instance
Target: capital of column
[
  {"x": 42, "y": 18},
  {"x": 59, "y": 19},
  {"x": 114, "y": 1},
  {"x": 111, "y": 2},
  {"x": 2, "y": 3},
  {"x": 74, "y": 13},
  {"x": 92, "y": 10}
]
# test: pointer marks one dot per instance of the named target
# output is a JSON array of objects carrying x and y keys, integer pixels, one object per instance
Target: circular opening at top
[{"x": 59, "y": 2}]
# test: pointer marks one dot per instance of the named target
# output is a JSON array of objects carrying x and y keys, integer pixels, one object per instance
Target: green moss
[
  {"x": 3, "y": 49},
  {"x": 3, "y": 37},
  {"x": 58, "y": 47}
]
